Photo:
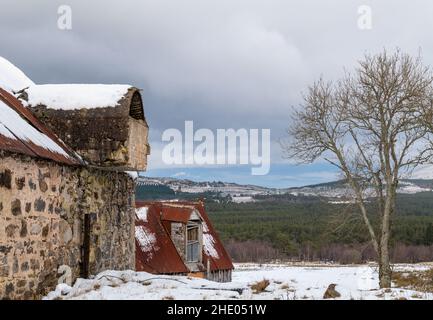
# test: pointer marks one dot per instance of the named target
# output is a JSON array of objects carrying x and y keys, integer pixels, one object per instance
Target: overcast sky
[{"x": 223, "y": 64}]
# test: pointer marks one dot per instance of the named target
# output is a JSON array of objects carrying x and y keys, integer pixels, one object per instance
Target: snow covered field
[{"x": 287, "y": 282}]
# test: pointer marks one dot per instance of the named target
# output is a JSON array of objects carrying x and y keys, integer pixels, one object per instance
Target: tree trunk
[
  {"x": 385, "y": 273},
  {"x": 384, "y": 261}
]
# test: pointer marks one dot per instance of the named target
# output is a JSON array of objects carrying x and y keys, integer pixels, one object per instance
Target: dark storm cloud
[{"x": 220, "y": 63}]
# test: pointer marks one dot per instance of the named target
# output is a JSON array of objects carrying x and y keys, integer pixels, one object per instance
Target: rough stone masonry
[{"x": 42, "y": 209}]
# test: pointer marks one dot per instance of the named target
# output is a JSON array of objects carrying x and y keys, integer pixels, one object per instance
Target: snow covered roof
[
  {"x": 154, "y": 250},
  {"x": 87, "y": 117},
  {"x": 155, "y": 218},
  {"x": 21, "y": 132},
  {"x": 76, "y": 96},
  {"x": 142, "y": 213},
  {"x": 209, "y": 243},
  {"x": 59, "y": 96},
  {"x": 145, "y": 238},
  {"x": 12, "y": 79}
]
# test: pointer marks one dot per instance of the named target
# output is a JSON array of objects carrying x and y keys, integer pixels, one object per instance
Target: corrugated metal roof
[
  {"x": 13, "y": 139},
  {"x": 223, "y": 261},
  {"x": 164, "y": 258},
  {"x": 176, "y": 214}
]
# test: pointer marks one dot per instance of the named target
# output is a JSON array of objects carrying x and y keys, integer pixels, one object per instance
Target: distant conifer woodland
[{"x": 311, "y": 229}]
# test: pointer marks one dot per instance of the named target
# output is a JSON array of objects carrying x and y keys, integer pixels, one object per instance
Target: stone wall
[
  {"x": 137, "y": 144},
  {"x": 106, "y": 137},
  {"x": 42, "y": 206},
  {"x": 178, "y": 231},
  {"x": 98, "y": 135}
]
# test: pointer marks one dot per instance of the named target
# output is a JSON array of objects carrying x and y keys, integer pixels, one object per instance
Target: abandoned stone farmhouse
[{"x": 67, "y": 207}]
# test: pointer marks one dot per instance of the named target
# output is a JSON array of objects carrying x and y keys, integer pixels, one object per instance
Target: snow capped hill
[
  {"x": 184, "y": 185},
  {"x": 246, "y": 193},
  {"x": 339, "y": 189}
]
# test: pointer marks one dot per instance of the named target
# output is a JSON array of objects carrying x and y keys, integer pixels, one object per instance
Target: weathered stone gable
[
  {"x": 42, "y": 208},
  {"x": 178, "y": 231},
  {"x": 110, "y": 137},
  {"x": 98, "y": 135}
]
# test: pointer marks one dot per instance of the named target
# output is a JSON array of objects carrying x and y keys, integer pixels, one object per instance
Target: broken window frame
[{"x": 189, "y": 253}]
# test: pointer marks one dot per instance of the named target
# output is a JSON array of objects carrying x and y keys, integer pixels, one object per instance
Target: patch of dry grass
[
  {"x": 260, "y": 286},
  {"x": 415, "y": 280}
]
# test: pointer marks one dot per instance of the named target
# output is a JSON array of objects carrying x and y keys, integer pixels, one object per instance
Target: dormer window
[{"x": 185, "y": 226}]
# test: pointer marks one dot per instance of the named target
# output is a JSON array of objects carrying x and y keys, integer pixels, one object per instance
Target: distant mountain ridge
[
  {"x": 185, "y": 185},
  {"x": 245, "y": 193}
]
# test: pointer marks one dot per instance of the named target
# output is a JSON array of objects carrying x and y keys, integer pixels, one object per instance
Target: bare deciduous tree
[{"x": 369, "y": 125}]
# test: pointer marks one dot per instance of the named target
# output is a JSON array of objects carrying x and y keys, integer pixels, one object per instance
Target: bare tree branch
[{"x": 374, "y": 126}]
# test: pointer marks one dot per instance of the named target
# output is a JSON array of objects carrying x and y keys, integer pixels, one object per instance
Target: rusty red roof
[
  {"x": 159, "y": 255},
  {"x": 176, "y": 213},
  {"x": 21, "y": 132},
  {"x": 222, "y": 261}
]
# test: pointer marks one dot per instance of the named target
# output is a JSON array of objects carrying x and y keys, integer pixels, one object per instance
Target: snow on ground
[
  {"x": 341, "y": 201},
  {"x": 411, "y": 189},
  {"x": 287, "y": 282},
  {"x": 242, "y": 199}
]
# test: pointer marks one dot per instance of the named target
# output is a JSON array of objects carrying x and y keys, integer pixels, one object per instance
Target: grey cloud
[{"x": 221, "y": 63}]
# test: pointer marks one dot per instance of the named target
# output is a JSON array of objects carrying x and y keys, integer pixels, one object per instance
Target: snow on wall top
[
  {"x": 13, "y": 126},
  {"x": 76, "y": 96},
  {"x": 12, "y": 79}
]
